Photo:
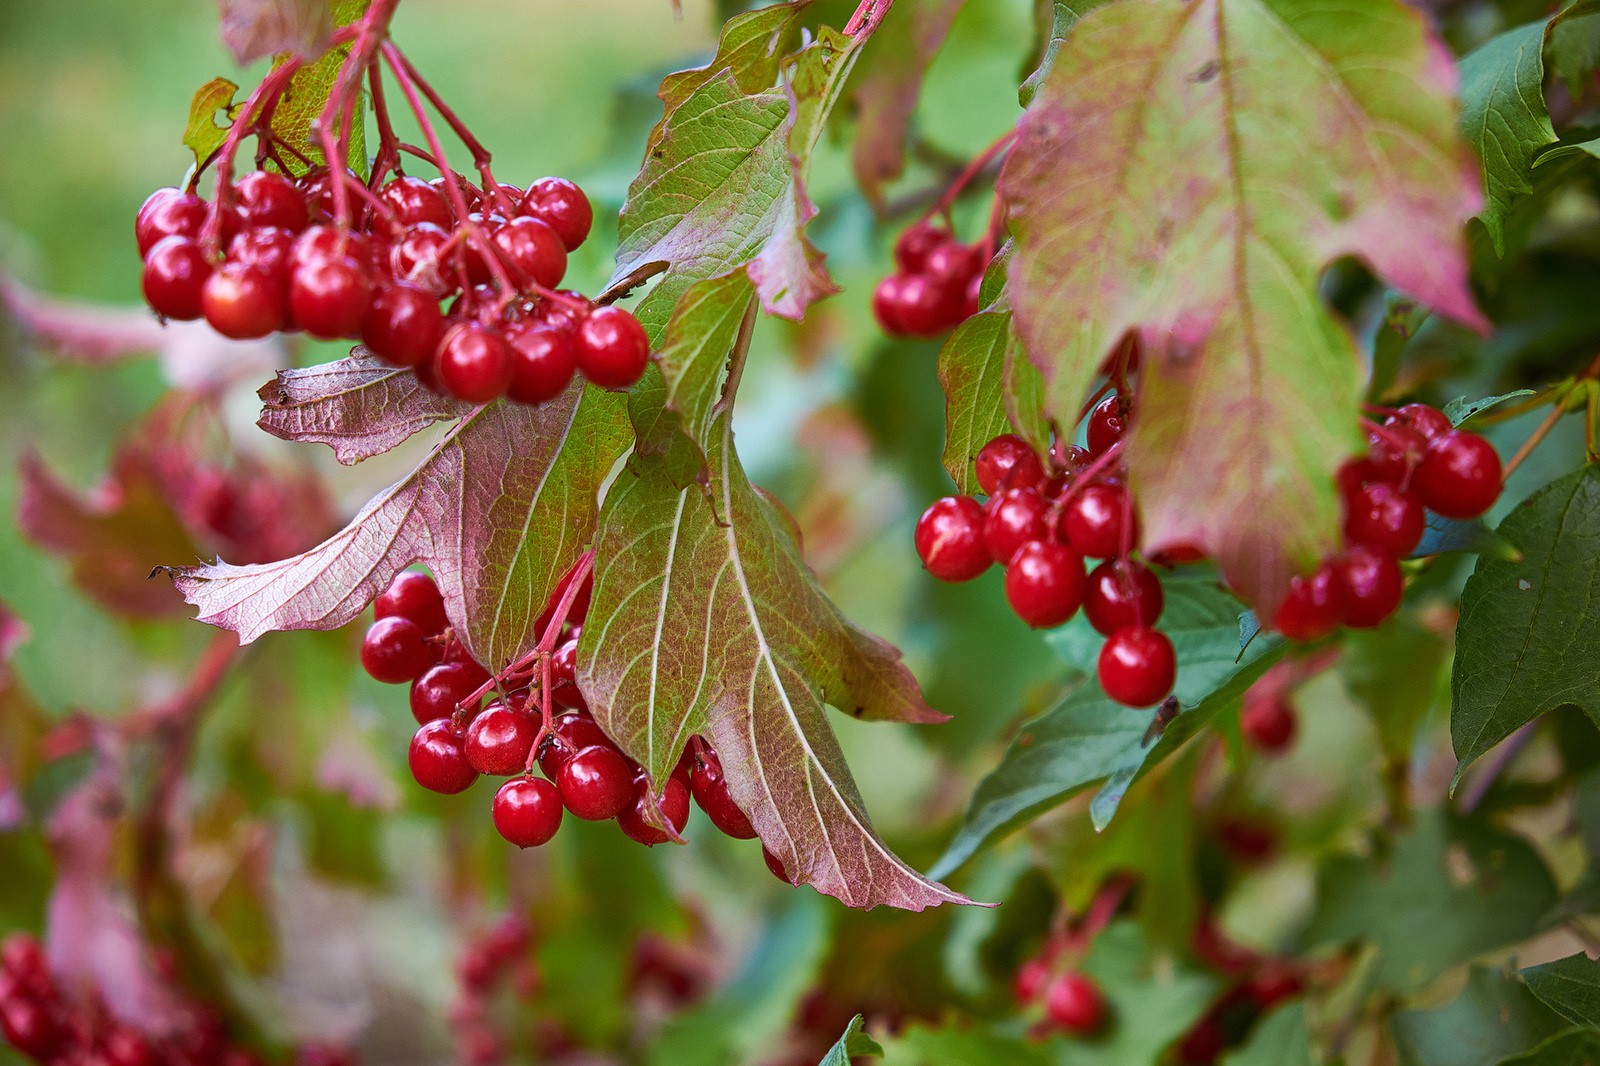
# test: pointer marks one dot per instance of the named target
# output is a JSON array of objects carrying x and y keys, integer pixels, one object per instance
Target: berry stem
[
  {"x": 388, "y": 156},
  {"x": 558, "y": 618},
  {"x": 970, "y": 171},
  {"x": 335, "y": 123},
  {"x": 866, "y": 17},
  {"x": 1543, "y": 429},
  {"x": 250, "y": 116},
  {"x": 480, "y": 154}
]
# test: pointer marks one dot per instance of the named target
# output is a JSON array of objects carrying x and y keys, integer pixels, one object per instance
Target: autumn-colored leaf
[
  {"x": 499, "y": 511},
  {"x": 705, "y": 620},
  {"x": 255, "y": 28},
  {"x": 204, "y": 134},
  {"x": 1153, "y": 190}
]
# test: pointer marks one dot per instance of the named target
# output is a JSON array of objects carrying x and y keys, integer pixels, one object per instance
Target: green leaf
[
  {"x": 1397, "y": 674},
  {"x": 1503, "y": 115},
  {"x": 756, "y": 649},
  {"x": 204, "y": 134},
  {"x": 1569, "y": 986},
  {"x": 1159, "y": 148},
  {"x": 750, "y": 49},
  {"x": 302, "y": 102},
  {"x": 854, "y": 1042},
  {"x": 1086, "y": 737},
  {"x": 986, "y": 383},
  {"x": 1493, "y": 1017},
  {"x": 1461, "y": 408},
  {"x": 1575, "y": 1047},
  {"x": 1445, "y": 892},
  {"x": 1282, "y": 1038},
  {"x": 1525, "y": 643},
  {"x": 919, "y": 1046},
  {"x": 1063, "y": 16},
  {"x": 1573, "y": 44},
  {"x": 694, "y": 353},
  {"x": 1441, "y": 534},
  {"x": 1401, "y": 320}
]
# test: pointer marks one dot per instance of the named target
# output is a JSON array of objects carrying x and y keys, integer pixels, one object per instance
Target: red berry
[
  {"x": 23, "y": 957},
  {"x": 1314, "y": 606},
  {"x": 972, "y": 297},
  {"x": 924, "y": 309},
  {"x": 949, "y": 539},
  {"x": 474, "y": 363},
  {"x": 268, "y": 199},
  {"x": 268, "y": 248},
  {"x": 1074, "y": 1002},
  {"x": 415, "y": 202},
  {"x": 438, "y": 761},
  {"x": 1122, "y": 594},
  {"x": 562, "y": 206},
  {"x": 570, "y": 733},
  {"x": 1383, "y": 518},
  {"x": 175, "y": 273},
  {"x": 1107, "y": 424},
  {"x": 916, "y": 243},
  {"x": 498, "y": 740},
  {"x": 1030, "y": 980},
  {"x": 1204, "y": 1043},
  {"x": 674, "y": 806},
  {"x": 775, "y": 864},
  {"x": 1044, "y": 583},
  {"x": 439, "y": 691},
  {"x": 710, "y": 791},
  {"x": 243, "y": 302},
  {"x": 1007, "y": 462},
  {"x": 1274, "y": 983},
  {"x": 527, "y": 811},
  {"x": 168, "y": 213},
  {"x": 952, "y": 267},
  {"x": 611, "y": 348},
  {"x": 414, "y": 596},
  {"x": 886, "y": 304},
  {"x": 1459, "y": 475},
  {"x": 1395, "y": 452},
  {"x": 1100, "y": 521},
  {"x": 32, "y": 1028},
  {"x": 564, "y": 677},
  {"x": 1373, "y": 585},
  {"x": 1268, "y": 722},
  {"x": 123, "y": 1046},
  {"x": 542, "y": 363},
  {"x": 416, "y": 257},
  {"x": 1429, "y": 421},
  {"x": 596, "y": 783},
  {"x": 319, "y": 244},
  {"x": 534, "y": 250},
  {"x": 1014, "y": 518},
  {"x": 328, "y": 297},
  {"x": 403, "y": 324},
  {"x": 1137, "y": 666},
  {"x": 393, "y": 651}
]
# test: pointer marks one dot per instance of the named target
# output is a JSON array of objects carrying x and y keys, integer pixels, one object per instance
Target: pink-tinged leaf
[
  {"x": 886, "y": 93},
  {"x": 13, "y": 635},
  {"x": 499, "y": 511},
  {"x": 705, "y": 620},
  {"x": 359, "y": 406},
  {"x": 750, "y": 48},
  {"x": 1186, "y": 171},
  {"x": 255, "y": 28}
]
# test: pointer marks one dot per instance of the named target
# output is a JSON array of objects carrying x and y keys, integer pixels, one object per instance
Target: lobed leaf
[
  {"x": 1574, "y": 1047},
  {"x": 751, "y": 48},
  {"x": 1503, "y": 115},
  {"x": 1492, "y": 1020},
  {"x": 499, "y": 511},
  {"x": 705, "y": 620},
  {"x": 1569, "y": 986},
  {"x": 1154, "y": 189}
]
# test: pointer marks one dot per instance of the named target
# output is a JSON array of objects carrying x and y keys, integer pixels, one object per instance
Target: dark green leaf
[
  {"x": 1397, "y": 673},
  {"x": 1470, "y": 535},
  {"x": 1575, "y": 1047},
  {"x": 1493, "y": 1017},
  {"x": 1573, "y": 44},
  {"x": 981, "y": 369},
  {"x": 1569, "y": 986},
  {"x": 1402, "y": 317},
  {"x": 1280, "y": 1039},
  {"x": 855, "y": 1041},
  {"x": 1503, "y": 115},
  {"x": 1526, "y": 641}
]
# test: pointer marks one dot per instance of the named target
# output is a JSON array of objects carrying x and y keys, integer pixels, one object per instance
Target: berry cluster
[
  {"x": 1073, "y": 1002},
  {"x": 935, "y": 287},
  {"x": 585, "y": 774},
  {"x": 498, "y": 959},
  {"x": 1257, "y": 983},
  {"x": 1416, "y": 462},
  {"x": 270, "y": 254},
  {"x": 42, "y": 1022},
  {"x": 1040, "y": 525}
]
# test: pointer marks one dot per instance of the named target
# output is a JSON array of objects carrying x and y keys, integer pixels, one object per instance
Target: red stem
[
  {"x": 480, "y": 154},
  {"x": 338, "y": 115},
  {"x": 968, "y": 172},
  {"x": 866, "y": 17}
]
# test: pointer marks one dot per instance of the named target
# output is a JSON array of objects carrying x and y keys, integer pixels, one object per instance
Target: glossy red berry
[
  {"x": 542, "y": 363},
  {"x": 420, "y": 258},
  {"x": 403, "y": 324},
  {"x": 611, "y": 348},
  {"x": 268, "y": 248},
  {"x": 1429, "y": 421},
  {"x": 596, "y": 783},
  {"x": 268, "y": 199},
  {"x": 415, "y": 202},
  {"x": 562, "y": 206},
  {"x": 886, "y": 303},
  {"x": 949, "y": 539},
  {"x": 1045, "y": 583},
  {"x": 527, "y": 811},
  {"x": 710, "y": 790},
  {"x": 474, "y": 363},
  {"x": 916, "y": 243},
  {"x": 440, "y": 690},
  {"x": 243, "y": 302},
  {"x": 32, "y": 1028},
  {"x": 951, "y": 267},
  {"x": 1014, "y": 518},
  {"x": 1030, "y": 980},
  {"x": 1138, "y": 666},
  {"x": 393, "y": 651},
  {"x": 1372, "y": 586},
  {"x": 1381, "y": 517},
  {"x": 775, "y": 864},
  {"x": 564, "y": 677},
  {"x": 923, "y": 308},
  {"x": 1108, "y": 422},
  {"x": 1268, "y": 722},
  {"x": 534, "y": 251},
  {"x": 674, "y": 806},
  {"x": 1007, "y": 462},
  {"x": 1314, "y": 606},
  {"x": 498, "y": 740},
  {"x": 1074, "y": 1002},
  {"x": 570, "y": 734},
  {"x": 1099, "y": 521},
  {"x": 414, "y": 596},
  {"x": 168, "y": 213},
  {"x": 437, "y": 759},
  {"x": 1122, "y": 594},
  {"x": 1393, "y": 454},
  {"x": 1459, "y": 476},
  {"x": 175, "y": 273},
  {"x": 328, "y": 296}
]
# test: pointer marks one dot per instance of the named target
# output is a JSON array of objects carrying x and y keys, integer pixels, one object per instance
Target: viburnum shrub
[{"x": 1232, "y": 668}]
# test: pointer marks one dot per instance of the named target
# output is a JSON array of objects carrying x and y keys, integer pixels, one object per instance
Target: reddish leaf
[
  {"x": 1157, "y": 187},
  {"x": 255, "y": 28},
  {"x": 499, "y": 512}
]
